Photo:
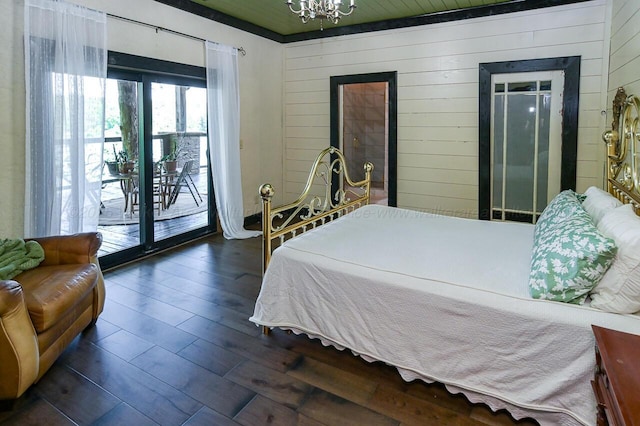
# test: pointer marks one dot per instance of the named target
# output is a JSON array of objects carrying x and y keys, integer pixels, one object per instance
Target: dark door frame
[
  {"x": 382, "y": 77},
  {"x": 570, "y": 104}
]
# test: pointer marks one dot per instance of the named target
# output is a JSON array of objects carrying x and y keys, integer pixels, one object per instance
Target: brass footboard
[{"x": 328, "y": 194}]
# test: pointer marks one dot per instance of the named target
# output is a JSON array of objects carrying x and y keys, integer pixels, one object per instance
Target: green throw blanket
[{"x": 17, "y": 256}]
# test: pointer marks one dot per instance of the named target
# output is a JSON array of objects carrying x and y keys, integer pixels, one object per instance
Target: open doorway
[{"x": 364, "y": 128}]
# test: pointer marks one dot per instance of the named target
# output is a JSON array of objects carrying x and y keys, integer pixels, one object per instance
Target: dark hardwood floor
[{"x": 174, "y": 346}]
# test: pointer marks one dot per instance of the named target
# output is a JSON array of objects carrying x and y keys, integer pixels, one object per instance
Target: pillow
[
  {"x": 561, "y": 208},
  {"x": 599, "y": 202},
  {"x": 619, "y": 290},
  {"x": 569, "y": 258}
]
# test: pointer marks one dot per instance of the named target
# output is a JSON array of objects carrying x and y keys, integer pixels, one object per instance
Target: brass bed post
[
  {"x": 266, "y": 193},
  {"x": 368, "y": 171}
]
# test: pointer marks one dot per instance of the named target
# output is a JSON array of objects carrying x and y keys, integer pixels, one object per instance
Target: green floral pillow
[
  {"x": 563, "y": 207},
  {"x": 570, "y": 256}
]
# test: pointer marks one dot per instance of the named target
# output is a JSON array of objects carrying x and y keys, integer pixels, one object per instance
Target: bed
[{"x": 442, "y": 298}]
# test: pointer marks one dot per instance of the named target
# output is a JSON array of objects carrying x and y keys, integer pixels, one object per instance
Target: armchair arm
[
  {"x": 67, "y": 249},
  {"x": 76, "y": 248},
  {"x": 19, "y": 359}
]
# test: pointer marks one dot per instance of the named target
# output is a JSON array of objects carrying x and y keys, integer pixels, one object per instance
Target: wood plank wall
[
  {"x": 437, "y": 69},
  {"x": 624, "y": 66}
]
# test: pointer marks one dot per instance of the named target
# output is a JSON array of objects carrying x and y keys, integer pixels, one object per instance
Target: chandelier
[{"x": 321, "y": 9}]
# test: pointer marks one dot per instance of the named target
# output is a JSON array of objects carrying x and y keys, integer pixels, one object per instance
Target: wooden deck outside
[{"x": 120, "y": 237}]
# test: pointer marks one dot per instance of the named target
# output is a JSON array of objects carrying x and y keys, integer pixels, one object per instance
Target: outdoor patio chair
[
  {"x": 184, "y": 180},
  {"x": 158, "y": 193}
]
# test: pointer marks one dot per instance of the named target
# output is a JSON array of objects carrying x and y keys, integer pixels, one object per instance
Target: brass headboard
[
  {"x": 311, "y": 210},
  {"x": 623, "y": 149}
]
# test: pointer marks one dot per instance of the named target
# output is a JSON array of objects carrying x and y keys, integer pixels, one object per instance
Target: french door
[
  {"x": 526, "y": 143},
  {"x": 157, "y": 193},
  {"x": 527, "y": 135}
]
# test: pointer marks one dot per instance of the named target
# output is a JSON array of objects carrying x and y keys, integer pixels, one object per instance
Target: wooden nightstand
[{"x": 617, "y": 378}]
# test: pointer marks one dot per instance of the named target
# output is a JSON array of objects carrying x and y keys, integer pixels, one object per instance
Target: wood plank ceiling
[
  {"x": 273, "y": 19},
  {"x": 276, "y": 16}
]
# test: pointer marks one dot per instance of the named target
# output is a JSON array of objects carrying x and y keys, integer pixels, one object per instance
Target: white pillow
[
  {"x": 599, "y": 202},
  {"x": 619, "y": 289}
]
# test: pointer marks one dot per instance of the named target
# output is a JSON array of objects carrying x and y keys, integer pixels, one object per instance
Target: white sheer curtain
[
  {"x": 224, "y": 138},
  {"x": 66, "y": 68}
]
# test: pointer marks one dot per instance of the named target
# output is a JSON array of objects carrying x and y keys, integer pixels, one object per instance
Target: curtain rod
[{"x": 157, "y": 28}]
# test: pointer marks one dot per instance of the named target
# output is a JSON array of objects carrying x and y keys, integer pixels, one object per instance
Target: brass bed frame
[
  {"x": 336, "y": 195},
  {"x": 623, "y": 143}
]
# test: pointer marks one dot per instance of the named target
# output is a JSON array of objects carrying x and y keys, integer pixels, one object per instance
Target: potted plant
[
  {"x": 170, "y": 160},
  {"x": 125, "y": 163},
  {"x": 110, "y": 159}
]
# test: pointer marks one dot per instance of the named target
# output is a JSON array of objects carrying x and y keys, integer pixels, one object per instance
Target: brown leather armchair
[{"x": 43, "y": 309}]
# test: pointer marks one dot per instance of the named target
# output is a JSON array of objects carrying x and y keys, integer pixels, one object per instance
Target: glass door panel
[
  {"x": 526, "y": 143},
  {"x": 179, "y": 128},
  {"x": 118, "y": 220},
  {"x": 521, "y": 120}
]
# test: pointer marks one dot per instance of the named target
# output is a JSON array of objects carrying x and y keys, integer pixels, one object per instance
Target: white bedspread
[{"x": 442, "y": 299}]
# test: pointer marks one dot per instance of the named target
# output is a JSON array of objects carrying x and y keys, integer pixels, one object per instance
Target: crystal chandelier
[{"x": 321, "y": 9}]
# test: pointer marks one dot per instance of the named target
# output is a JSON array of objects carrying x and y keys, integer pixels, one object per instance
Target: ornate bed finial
[
  {"x": 615, "y": 149},
  {"x": 618, "y": 103},
  {"x": 266, "y": 191},
  {"x": 611, "y": 137}
]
